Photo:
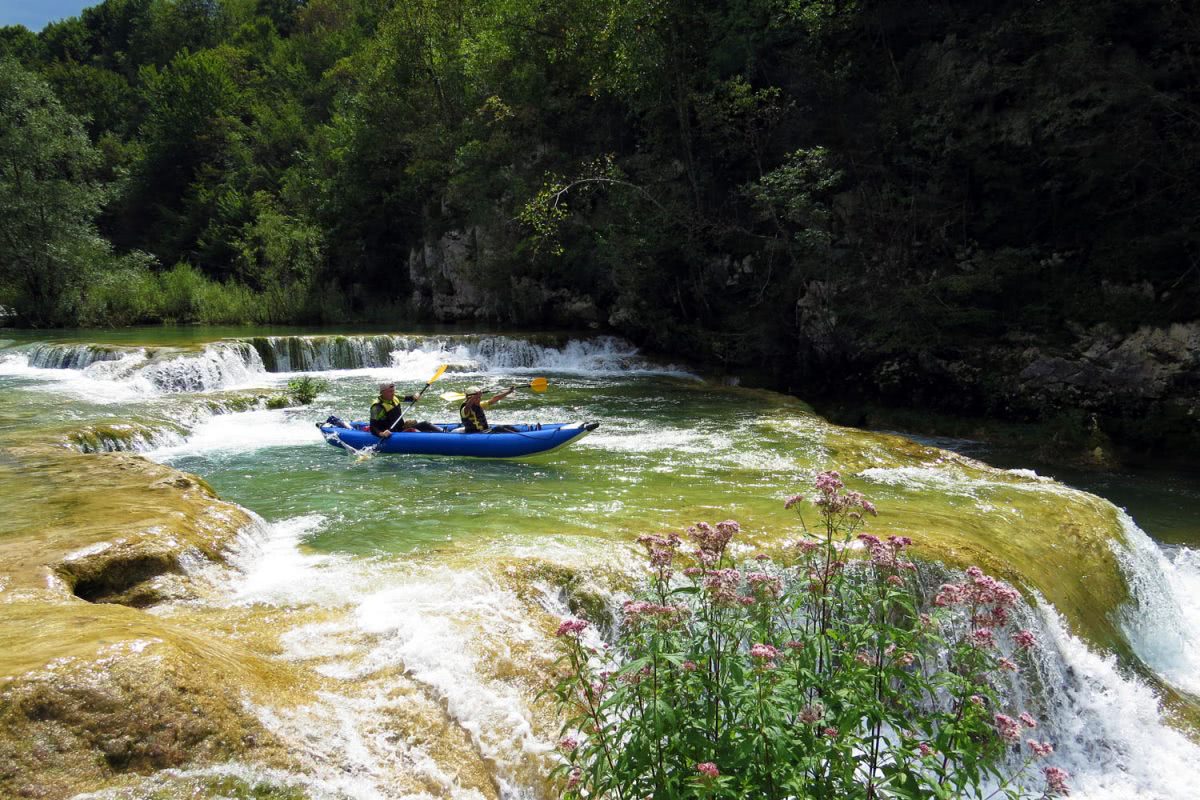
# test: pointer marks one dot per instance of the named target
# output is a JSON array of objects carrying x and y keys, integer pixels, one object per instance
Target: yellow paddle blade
[
  {"x": 438, "y": 374},
  {"x": 538, "y": 384},
  {"x": 451, "y": 396}
]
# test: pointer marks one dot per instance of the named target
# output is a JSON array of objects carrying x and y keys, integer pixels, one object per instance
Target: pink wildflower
[
  {"x": 976, "y": 699},
  {"x": 812, "y": 713},
  {"x": 1056, "y": 782},
  {"x": 830, "y": 732},
  {"x": 1007, "y": 727},
  {"x": 925, "y": 749},
  {"x": 764, "y": 652},
  {"x": 793, "y": 500},
  {"x": 567, "y": 744},
  {"x": 708, "y": 769},
  {"x": 794, "y": 645},
  {"x": 571, "y": 626},
  {"x": 949, "y": 594},
  {"x": 1027, "y": 719},
  {"x": 1025, "y": 639},
  {"x": 1040, "y": 749},
  {"x": 764, "y": 585},
  {"x": 1010, "y": 666},
  {"x": 829, "y": 481},
  {"x": 982, "y": 638},
  {"x": 689, "y": 666}
]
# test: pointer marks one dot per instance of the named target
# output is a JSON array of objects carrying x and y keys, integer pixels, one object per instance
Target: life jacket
[
  {"x": 384, "y": 414},
  {"x": 473, "y": 418}
]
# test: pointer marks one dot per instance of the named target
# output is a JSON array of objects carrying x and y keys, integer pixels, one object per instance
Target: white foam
[
  {"x": 1108, "y": 729},
  {"x": 242, "y": 432},
  {"x": 449, "y": 630},
  {"x": 275, "y": 571}
]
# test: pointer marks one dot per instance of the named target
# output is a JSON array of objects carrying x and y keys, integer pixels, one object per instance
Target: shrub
[
  {"x": 304, "y": 390},
  {"x": 815, "y": 677}
]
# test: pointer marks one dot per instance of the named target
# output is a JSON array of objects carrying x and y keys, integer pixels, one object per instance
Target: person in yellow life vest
[
  {"x": 387, "y": 414},
  {"x": 471, "y": 411}
]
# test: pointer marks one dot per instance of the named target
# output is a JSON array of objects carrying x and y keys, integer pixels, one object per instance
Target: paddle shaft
[
  {"x": 417, "y": 397},
  {"x": 539, "y": 385}
]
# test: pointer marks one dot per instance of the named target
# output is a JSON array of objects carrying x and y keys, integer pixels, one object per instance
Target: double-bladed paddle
[{"x": 539, "y": 385}]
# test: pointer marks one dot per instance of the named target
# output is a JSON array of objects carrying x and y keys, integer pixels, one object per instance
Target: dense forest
[{"x": 967, "y": 205}]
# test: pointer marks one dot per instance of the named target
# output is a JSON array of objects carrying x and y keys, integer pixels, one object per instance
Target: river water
[{"x": 412, "y": 600}]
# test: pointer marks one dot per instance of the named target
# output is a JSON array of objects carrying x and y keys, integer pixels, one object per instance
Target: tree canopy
[{"x": 767, "y": 183}]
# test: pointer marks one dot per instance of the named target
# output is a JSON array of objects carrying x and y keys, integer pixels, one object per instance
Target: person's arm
[
  {"x": 499, "y": 397},
  {"x": 377, "y": 418}
]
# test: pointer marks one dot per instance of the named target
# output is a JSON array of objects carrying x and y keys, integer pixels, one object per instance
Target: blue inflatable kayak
[{"x": 527, "y": 440}]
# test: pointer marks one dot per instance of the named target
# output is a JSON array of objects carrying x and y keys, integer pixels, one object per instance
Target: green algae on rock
[
  {"x": 100, "y": 693},
  {"x": 90, "y": 692}
]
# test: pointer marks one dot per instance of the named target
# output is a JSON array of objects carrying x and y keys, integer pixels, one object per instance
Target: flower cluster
[
  {"x": 1056, "y": 781},
  {"x": 571, "y": 627},
  {"x": 660, "y": 549},
  {"x": 764, "y": 586},
  {"x": 641, "y": 612},
  {"x": 795, "y": 651},
  {"x": 889, "y": 554},
  {"x": 711, "y": 540},
  {"x": 833, "y": 501}
]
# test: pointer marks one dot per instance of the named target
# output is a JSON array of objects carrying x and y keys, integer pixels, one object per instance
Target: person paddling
[
  {"x": 387, "y": 413},
  {"x": 471, "y": 411}
]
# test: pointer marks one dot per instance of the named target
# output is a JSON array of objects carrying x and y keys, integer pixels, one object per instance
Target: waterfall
[
  {"x": 1162, "y": 621},
  {"x": 464, "y": 353},
  {"x": 218, "y": 366},
  {"x": 321, "y": 353},
  {"x": 70, "y": 356}
]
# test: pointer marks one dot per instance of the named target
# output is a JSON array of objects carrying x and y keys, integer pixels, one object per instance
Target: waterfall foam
[
  {"x": 1108, "y": 727},
  {"x": 222, "y": 365},
  {"x": 1162, "y": 622},
  {"x": 112, "y": 375}
]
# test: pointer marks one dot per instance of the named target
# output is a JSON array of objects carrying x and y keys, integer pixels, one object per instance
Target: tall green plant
[{"x": 818, "y": 676}]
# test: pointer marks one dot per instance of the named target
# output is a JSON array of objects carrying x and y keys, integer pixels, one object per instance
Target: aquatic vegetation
[
  {"x": 304, "y": 390},
  {"x": 818, "y": 675}
]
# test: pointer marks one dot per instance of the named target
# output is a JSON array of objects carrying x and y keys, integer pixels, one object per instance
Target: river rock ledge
[{"x": 94, "y": 690}]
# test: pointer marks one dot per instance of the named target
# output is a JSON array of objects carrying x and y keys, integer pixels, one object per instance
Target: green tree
[{"x": 49, "y": 199}]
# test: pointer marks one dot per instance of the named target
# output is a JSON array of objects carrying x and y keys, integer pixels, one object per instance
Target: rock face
[
  {"x": 455, "y": 278},
  {"x": 126, "y": 694},
  {"x": 1112, "y": 373},
  {"x": 1139, "y": 390},
  {"x": 445, "y": 275}
]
